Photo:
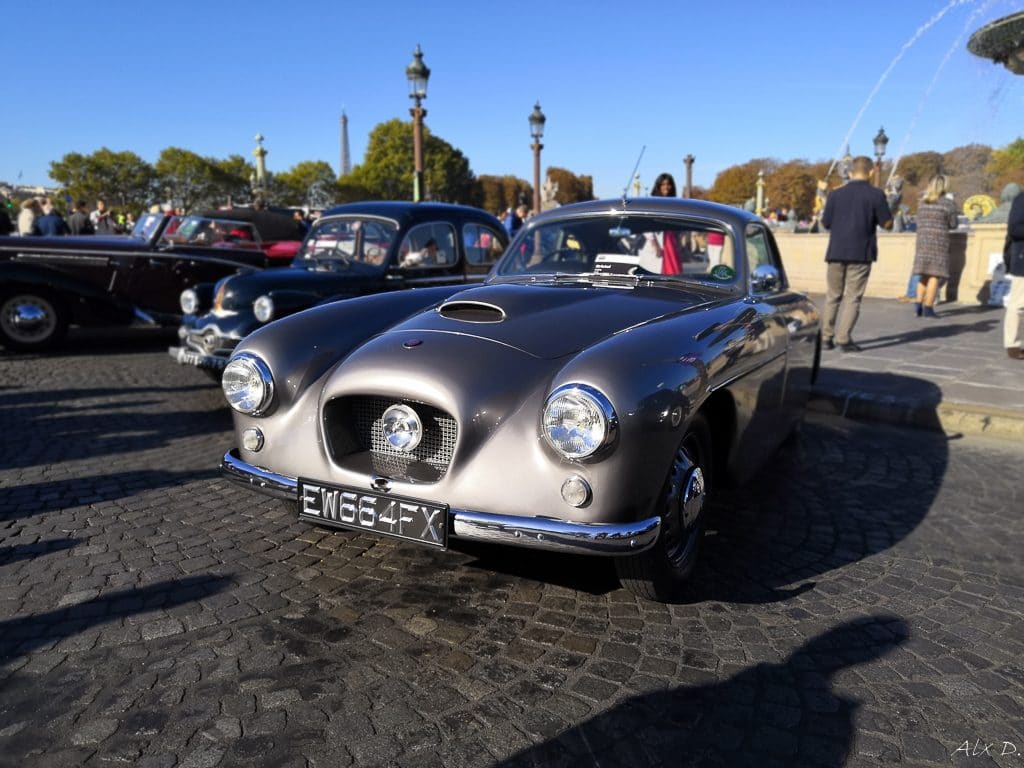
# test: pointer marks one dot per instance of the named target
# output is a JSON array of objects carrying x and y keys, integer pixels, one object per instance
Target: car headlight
[
  {"x": 402, "y": 427},
  {"x": 248, "y": 384},
  {"x": 578, "y": 421},
  {"x": 189, "y": 301},
  {"x": 263, "y": 308}
]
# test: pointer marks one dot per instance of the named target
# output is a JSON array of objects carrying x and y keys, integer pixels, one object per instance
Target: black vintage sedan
[
  {"x": 623, "y": 359},
  {"x": 49, "y": 283},
  {"x": 352, "y": 250}
]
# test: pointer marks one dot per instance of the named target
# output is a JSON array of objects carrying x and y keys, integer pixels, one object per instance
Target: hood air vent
[{"x": 472, "y": 312}]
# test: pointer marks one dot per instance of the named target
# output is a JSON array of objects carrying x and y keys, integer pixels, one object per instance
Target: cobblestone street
[{"x": 859, "y": 603}]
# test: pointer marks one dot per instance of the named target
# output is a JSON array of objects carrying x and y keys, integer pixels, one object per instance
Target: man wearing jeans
[{"x": 852, "y": 214}]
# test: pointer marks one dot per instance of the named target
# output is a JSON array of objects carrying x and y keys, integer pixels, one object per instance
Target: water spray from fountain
[
  {"x": 968, "y": 26},
  {"x": 906, "y": 46}
]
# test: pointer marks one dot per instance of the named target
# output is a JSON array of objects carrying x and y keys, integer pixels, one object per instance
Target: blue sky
[{"x": 726, "y": 81}]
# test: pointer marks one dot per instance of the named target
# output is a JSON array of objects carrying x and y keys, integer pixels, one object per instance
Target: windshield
[
  {"x": 641, "y": 245},
  {"x": 343, "y": 242}
]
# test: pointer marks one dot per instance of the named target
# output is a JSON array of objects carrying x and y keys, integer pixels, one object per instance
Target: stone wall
[{"x": 804, "y": 257}]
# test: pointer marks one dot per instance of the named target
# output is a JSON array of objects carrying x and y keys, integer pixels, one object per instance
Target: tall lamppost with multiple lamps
[
  {"x": 417, "y": 73},
  {"x": 880, "y": 141},
  {"x": 259, "y": 179},
  {"x": 688, "y": 162},
  {"x": 537, "y": 121}
]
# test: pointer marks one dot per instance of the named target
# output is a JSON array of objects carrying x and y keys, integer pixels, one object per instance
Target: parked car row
[
  {"x": 49, "y": 283},
  {"x": 566, "y": 365}
]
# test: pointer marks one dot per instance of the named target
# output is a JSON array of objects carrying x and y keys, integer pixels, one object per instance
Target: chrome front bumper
[{"x": 533, "y": 532}]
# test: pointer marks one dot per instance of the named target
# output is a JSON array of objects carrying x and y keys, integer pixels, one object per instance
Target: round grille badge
[{"x": 402, "y": 428}]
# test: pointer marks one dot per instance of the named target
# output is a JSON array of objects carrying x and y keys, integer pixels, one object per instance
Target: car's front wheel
[
  {"x": 660, "y": 573},
  {"x": 31, "y": 319}
]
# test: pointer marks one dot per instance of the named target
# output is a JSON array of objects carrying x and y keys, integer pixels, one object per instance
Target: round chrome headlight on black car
[
  {"x": 189, "y": 301},
  {"x": 248, "y": 384},
  {"x": 402, "y": 427},
  {"x": 578, "y": 421},
  {"x": 263, "y": 308}
]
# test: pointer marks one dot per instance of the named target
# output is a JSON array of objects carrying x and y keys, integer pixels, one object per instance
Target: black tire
[
  {"x": 31, "y": 319},
  {"x": 660, "y": 573}
]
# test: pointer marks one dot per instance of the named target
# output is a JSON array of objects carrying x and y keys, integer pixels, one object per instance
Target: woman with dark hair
[
  {"x": 669, "y": 249},
  {"x": 664, "y": 186}
]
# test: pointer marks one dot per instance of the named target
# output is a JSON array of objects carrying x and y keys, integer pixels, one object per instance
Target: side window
[
  {"x": 427, "y": 246},
  {"x": 483, "y": 245}
]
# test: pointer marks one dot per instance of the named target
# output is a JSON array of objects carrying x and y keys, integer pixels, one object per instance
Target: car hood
[
  {"x": 551, "y": 321},
  {"x": 244, "y": 288}
]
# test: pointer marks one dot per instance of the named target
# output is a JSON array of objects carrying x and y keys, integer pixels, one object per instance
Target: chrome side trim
[
  {"x": 260, "y": 479},
  {"x": 532, "y": 532},
  {"x": 558, "y": 535}
]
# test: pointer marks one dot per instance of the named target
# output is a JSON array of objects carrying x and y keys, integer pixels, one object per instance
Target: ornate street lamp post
[
  {"x": 537, "y": 121},
  {"x": 688, "y": 162},
  {"x": 759, "y": 198},
  {"x": 880, "y": 141},
  {"x": 417, "y": 73}
]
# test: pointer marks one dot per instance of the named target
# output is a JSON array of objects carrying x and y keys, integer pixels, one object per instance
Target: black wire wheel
[
  {"x": 660, "y": 573},
  {"x": 31, "y": 319}
]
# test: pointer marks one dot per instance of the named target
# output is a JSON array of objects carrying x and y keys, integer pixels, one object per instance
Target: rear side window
[
  {"x": 483, "y": 245},
  {"x": 427, "y": 246}
]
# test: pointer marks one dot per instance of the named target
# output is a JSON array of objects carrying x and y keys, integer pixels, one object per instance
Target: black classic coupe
[
  {"x": 352, "y": 250},
  {"x": 49, "y": 283},
  {"x": 622, "y": 360}
]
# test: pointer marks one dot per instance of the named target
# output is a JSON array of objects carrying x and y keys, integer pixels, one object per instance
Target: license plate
[{"x": 421, "y": 521}]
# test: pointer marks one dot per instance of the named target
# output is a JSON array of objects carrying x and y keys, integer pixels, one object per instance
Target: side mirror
[{"x": 765, "y": 279}]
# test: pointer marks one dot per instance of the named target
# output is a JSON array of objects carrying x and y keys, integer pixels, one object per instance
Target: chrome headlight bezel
[
  {"x": 578, "y": 444},
  {"x": 248, "y": 384},
  {"x": 263, "y": 309},
  {"x": 189, "y": 301}
]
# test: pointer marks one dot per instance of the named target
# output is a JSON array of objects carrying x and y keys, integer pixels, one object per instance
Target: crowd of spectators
[{"x": 41, "y": 217}]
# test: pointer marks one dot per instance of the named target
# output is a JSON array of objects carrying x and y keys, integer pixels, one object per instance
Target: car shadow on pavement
[
  {"x": 770, "y": 539},
  {"x": 769, "y": 714},
  {"x": 22, "y": 501},
  {"x": 82, "y": 342},
  {"x": 21, "y": 636}
]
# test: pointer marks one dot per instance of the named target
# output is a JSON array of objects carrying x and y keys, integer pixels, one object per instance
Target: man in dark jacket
[
  {"x": 50, "y": 224},
  {"x": 1013, "y": 256},
  {"x": 79, "y": 222},
  {"x": 852, "y": 215}
]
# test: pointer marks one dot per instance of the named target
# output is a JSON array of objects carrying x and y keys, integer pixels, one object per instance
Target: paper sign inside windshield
[{"x": 615, "y": 264}]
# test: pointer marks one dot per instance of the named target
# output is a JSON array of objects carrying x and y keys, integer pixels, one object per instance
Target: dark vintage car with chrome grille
[
  {"x": 623, "y": 359},
  {"x": 49, "y": 283},
  {"x": 352, "y": 250}
]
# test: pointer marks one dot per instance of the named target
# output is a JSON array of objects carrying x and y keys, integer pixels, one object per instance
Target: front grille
[
  {"x": 211, "y": 344},
  {"x": 352, "y": 426}
]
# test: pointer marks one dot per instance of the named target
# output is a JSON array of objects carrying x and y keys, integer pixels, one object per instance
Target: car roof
[
  {"x": 678, "y": 206},
  {"x": 406, "y": 212}
]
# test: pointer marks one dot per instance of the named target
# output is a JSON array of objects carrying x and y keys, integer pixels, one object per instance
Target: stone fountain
[{"x": 1002, "y": 41}]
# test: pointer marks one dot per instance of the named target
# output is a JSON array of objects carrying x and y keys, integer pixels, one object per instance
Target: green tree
[
  {"x": 311, "y": 182},
  {"x": 121, "y": 178},
  {"x": 387, "y": 170},
  {"x": 738, "y": 183},
  {"x": 1006, "y": 166},
  {"x": 232, "y": 180},
  {"x": 189, "y": 180}
]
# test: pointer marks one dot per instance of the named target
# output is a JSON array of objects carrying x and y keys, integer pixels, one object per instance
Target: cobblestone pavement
[{"x": 859, "y": 604}]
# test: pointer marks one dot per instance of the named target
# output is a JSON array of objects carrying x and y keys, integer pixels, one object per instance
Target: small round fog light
[
  {"x": 575, "y": 491},
  {"x": 252, "y": 439}
]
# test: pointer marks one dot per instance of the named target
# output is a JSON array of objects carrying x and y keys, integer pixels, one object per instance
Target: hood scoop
[{"x": 471, "y": 312}]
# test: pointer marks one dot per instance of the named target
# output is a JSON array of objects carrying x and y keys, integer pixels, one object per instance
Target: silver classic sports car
[{"x": 622, "y": 359}]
